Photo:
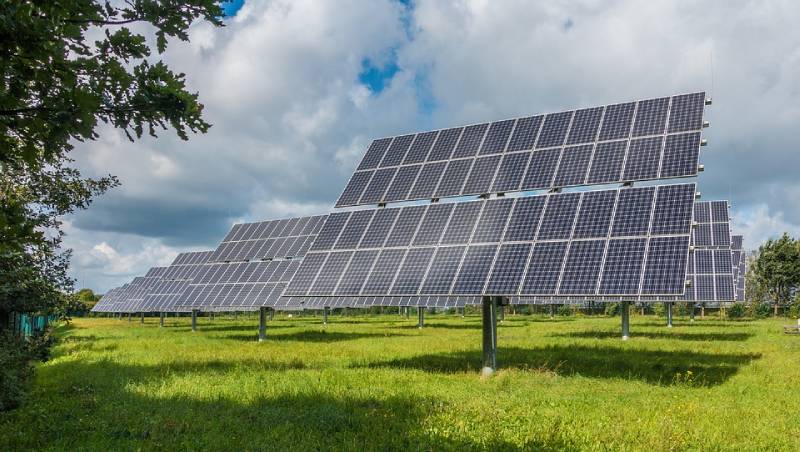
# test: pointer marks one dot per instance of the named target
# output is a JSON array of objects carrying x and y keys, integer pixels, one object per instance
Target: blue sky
[{"x": 296, "y": 90}]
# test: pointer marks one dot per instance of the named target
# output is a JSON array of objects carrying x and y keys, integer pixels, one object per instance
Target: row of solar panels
[{"x": 193, "y": 282}]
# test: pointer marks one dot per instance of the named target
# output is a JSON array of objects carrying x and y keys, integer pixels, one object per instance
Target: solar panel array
[
  {"x": 739, "y": 267},
  {"x": 710, "y": 268},
  {"x": 610, "y": 242},
  {"x": 644, "y": 140},
  {"x": 268, "y": 239}
]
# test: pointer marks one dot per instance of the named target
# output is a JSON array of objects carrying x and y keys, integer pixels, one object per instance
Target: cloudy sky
[{"x": 297, "y": 89}]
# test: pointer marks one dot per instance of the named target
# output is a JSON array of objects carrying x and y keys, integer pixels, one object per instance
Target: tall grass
[{"x": 378, "y": 383}]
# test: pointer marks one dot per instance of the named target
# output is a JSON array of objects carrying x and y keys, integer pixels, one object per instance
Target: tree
[
  {"x": 66, "y": 67},
  {"x": 776, "y": 271}
]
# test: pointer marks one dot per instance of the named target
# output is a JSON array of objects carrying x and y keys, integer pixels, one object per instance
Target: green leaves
[{"x": 777, "y": 269}]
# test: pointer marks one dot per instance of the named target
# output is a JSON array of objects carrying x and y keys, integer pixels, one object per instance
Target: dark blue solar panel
[
  {"x": 481, "y": 175},
  {"x": 509, "y": 175},
  {"x": 354, "y": 230},
  {"x": 665, "y": 268},
  {"x": 382, "y": 274},
  {"x": 474, "y": 269},
  {"x": 643, "y": 158},
  {"x": 584, "y": 125},
  {"x": 302, "y": 280},
  {"x": 401, "y": 185},
  {"x": 525, "y": 133},
  {"x": 453, "y": 178},
  {"x": 673, "y": 209},
  {"x": 544, "y": 268},
  {"x": 357, "y": 272},
  {"x": 582, "y": 267},
  {"x": 651, "y": 117},
  {"x": 379, "y": 228},
  {"x": 554, "y": 129},
  {"x": 496, "y": 138},
  {"x": 559, "y": 216},
  {"x": 492, "y": 222},
  {"x": 420, "y": 148},
  {"x": 427, "y": 180},
  {"x": 525, "y": 219},
  {"x": 541, "y": 169},
  {"x": 410, "y": 275},
  {"x": 443, "y": 269},
  {"x": 330, "y": 273},
  {"x": 607, "y": 162},
  {"x": 445, "y": 143},
  {"x": 722, "y": 261},
  {"x": 459, "y": 230},
  {"x": 405, "y": 226},
  {"x": 470, "y": 141},
  {"x": 702, "y": 212},
  {"x": 720, "y": 234},
  {"x": 432, "y": 227},
  {"x": 509, "y": 268},
  {"x": 594, "y": 216},
  {"x": 623, "y": 267},
  {"x": 681, "y": 154},
  {"x": 354, "y": 188},
  {"x": 573, "y": 166},
  {"x": 330, "y": 232},
  {"x": 397, "y": 151},
  {"x": 704, "y": 261},
  {"x": 724, "y": 287},
  {"x": 632, "y": 216},
  {"x": 719, "y": 211},
  {"x": 686, "y": 112},
  {"x": 374, "y": 154},
  {"x": 617, "y": 121},
  {"x": 378, "y": 185},
  {"x": 704, "y": 287}
]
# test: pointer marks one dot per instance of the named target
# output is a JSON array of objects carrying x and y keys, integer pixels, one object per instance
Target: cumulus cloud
[{"x": 291, "y": 118}]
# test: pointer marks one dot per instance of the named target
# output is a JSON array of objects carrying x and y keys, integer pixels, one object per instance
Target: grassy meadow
[{"x": 380, "y": 383}]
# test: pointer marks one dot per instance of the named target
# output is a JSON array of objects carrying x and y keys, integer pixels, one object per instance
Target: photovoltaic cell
[
  {"x": 470, "y": 140},
  {"x": 445, "y": 144},
  {"x": 525, "y": 133},
  {"x": 496, "y": 138},
  {"x": 617, "y": 121},
  {"x": 454, "y": 176},
  {"x": 651, "y": 117},
  {"x": 397, "y": 151},
  {"x": 375, "y": 154},
  {"x": 573, "y": 166},
  {"x": 420, "y": 148},
  {"x": 509, "y": 175},
  {"x": 481, "y": 175},
  {"x": 585, "y": 125}
]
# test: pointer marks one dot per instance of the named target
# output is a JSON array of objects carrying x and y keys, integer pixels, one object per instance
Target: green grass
[{"x": 379, "y": 383}]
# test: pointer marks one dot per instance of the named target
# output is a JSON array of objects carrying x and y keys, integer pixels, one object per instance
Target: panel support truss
[
  {"x": 262, "y": 324},
  {"x": 489, "y": 309},
  {"x": 194, "y": 319},
  {"x": 625, "y": 312}
]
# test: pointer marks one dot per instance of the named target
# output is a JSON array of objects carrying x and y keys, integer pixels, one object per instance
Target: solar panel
[
  {"x": 711, "y": 267},
  {"x": 579, "y": 243},
  {"x": 165, "y": 295},
  {"x": 644, "y": 140},
  {"x": 739, "y": 262},
  {"x": 268, "y": 239}
]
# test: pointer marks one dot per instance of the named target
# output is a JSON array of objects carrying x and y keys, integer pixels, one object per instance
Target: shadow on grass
[
  {"x": 721, "y": 336},
  {"x": 683, "y": 323},
  {"x": 653, "y": 367},
  {"x": 307, "y": 336},
  {"x": 106, "y": 404},
  {"x": 469, "y": 325}
]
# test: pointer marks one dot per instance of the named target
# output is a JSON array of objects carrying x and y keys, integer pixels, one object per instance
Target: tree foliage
[{"x": 776, "y": 271}]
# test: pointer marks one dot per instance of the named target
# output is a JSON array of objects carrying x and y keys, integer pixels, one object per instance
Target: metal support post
[
  {"x": 262, "y": 324},
  {"x": 271, "y": 314},
  {"x": 141, "y": 318},
  {"x": 626, "y": 321},
  {"x": 669, "y": 314},
  {"x": 489, "y": 310},
  {"x": 692, "y": 307},
  {"x": 552, "y": 310},
  {"x": 194, "y": 319},
  {"x": 129, "y": 317},
  {"x": 502, "y": 313},
  {"x": 421, "y": 314},
  {"x": 161, "y": 319},
  {"x": 325, "y": 315},
  {"x": 702, "y": 311}
]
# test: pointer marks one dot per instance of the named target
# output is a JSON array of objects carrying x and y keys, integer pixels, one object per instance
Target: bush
[
  {"x": 16, "y": 364},
  {"x": 564, "y": 310},
  {"x": 762, "y": 310},
  {"x": 736, "y": 311},
  {"x": 612, "y": 309}
]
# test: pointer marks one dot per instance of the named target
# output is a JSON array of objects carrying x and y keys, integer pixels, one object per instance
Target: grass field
[{"x": 378, "y": 383}]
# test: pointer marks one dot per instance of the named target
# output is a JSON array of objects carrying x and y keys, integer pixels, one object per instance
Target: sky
[{"x": 297, "y": 89}]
